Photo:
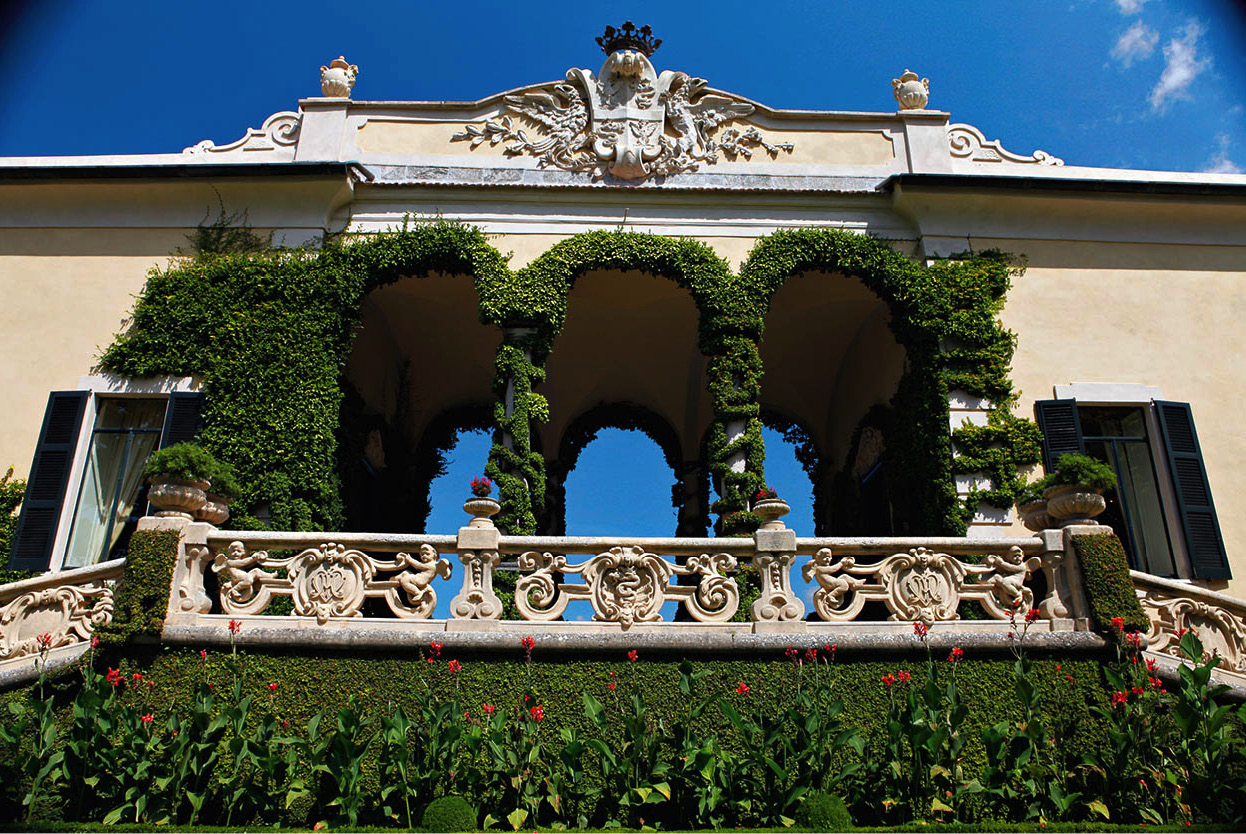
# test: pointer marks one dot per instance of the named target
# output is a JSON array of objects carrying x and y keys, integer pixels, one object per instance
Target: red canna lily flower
[
  {"x": 148, "y": 718},
  {"x": 633, "y": 656},
  {"x": 455, "y": 666},
  {"x": 272, "y": 687},
  {"x": 115, "y": 677},
  {"x": 538, "y": 712},
  {"x": 921, "y": 629},
  {"x": 956, "y": 655},
  {"x": 742, "y": 689},
  {"x": 234, "y": 626},
  {"x": 528, "y": 643},
  {"x": 889, "y": 679},
  {"x": 488, "y": 708},
  {"x": 1118, "y": 624},
  {"x": 1032, "y": 615}
]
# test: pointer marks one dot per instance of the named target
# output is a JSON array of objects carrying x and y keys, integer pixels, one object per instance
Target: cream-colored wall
[
  {"x": 1167, "y": 316},
  {"x": 58, "y": 311}
]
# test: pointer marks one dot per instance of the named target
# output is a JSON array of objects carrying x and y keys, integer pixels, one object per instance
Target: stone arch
[
  {"x": 583, "y": 429},
  {"x": 913, "y": 300},
  {"x": 690, "y": 265}
]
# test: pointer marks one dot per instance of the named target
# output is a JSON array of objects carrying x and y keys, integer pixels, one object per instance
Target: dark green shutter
[
  {"x": 1203, "y": 541},
  {"x": 183, "y": 419},
  {"x": 1062, "y": 431},
  {"x": 49, "y": 479}
]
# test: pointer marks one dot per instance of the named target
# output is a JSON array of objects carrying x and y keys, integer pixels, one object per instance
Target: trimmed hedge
[
  {"x": 1109, "y": 589},
  {"x": 141, "y": 598}
]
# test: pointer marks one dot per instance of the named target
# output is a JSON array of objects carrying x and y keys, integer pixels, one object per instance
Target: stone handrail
[
  {"x": 54, "y": 612},
  {"x": 1173, "y": 605}
]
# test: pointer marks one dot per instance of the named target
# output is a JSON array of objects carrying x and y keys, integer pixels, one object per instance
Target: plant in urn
[
  {"x": 481, "y": 506},
  {"x": 770, "y": 508}
]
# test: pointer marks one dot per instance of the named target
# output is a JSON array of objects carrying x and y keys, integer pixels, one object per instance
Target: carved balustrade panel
[
  {"x": 627, "y": 585},
  {"x": 1219, "y": 621},
  {"x": 920, "y": 584},
  {"x": 56, "y": 609},
  {"x": 328, "y": 581}
]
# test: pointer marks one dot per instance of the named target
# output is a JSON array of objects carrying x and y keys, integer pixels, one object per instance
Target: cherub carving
[{"x": 238, "y": 584}]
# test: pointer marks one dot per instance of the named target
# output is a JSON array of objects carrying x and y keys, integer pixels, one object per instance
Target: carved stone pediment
[{"x": 625, "y": 120}]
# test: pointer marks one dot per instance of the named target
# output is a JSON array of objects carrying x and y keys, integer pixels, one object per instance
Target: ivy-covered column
[
  {"x": 736, "y": 453},
  {"x": 518, "y": 471}
]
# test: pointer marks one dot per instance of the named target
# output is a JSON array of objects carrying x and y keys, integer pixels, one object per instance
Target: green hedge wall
[
  {"x": 1109, "y": 588},
  {"x": 141, "y": 598}
]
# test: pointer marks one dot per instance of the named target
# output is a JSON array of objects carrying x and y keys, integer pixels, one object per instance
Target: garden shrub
[
  {"x": 12, "y": 491},
  {"x": 824, "y": 812},
  {"x": 449, "y": 813},
  {"x": 1073, "y": 468}
]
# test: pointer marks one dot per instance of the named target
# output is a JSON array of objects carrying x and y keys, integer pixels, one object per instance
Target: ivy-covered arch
[
  {"x": 269, "y": 335},
  {"x": 945, "y": 316}
]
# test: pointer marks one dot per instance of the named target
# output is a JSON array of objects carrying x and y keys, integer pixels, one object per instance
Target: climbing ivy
[{"x": 270, "y": 333}]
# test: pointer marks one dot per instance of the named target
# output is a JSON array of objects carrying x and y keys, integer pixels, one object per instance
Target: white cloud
[
  {"x": 1182, "y": 65},
  {"x": 1220, "y": 162},
  {"x": 1138, "y": 42},
  {"x": 1130, "y": 6}
]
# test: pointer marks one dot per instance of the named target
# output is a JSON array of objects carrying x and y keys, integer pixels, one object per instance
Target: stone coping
[
  {"x": 853, "y": 640},
  {"x": 55, "y": 579}
]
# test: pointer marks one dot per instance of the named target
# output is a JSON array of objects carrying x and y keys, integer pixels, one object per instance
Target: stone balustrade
[
  {"x": 346, "y": 589},
  {"x": 1219, "y": 620},
  {"x": 54, "y": 613}
]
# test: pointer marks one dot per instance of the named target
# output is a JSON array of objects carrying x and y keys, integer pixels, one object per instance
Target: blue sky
[{"x": 1157, "y": 84}]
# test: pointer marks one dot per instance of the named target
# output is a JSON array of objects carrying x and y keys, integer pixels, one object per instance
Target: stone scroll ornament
[
  {"x": 330, "y": 581},
  {"x": 626, "y": 121},
  {"x": 920, "y": 585},
  {"x": 1220, "y": 630},
  {"x": 68, "y": 614},
  {"x": 627, "y": 585}
]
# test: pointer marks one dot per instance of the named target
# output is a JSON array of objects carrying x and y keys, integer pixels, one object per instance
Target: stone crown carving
[
  {"x": 280, "y": 130},
  {"x": 625, "y": 121}
]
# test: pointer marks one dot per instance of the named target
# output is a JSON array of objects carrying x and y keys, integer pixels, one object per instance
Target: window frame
[
  {"x": 1142, "y": 396},
  {"x": 107, "y": 386}
]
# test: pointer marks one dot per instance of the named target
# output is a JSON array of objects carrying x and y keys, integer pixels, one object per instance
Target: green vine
[{"x": 270, "y": 334}]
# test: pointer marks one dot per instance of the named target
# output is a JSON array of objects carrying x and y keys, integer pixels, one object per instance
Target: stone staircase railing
[
  {"x": 54, "y": 613},
  {"x": 1173, "y": 606}
]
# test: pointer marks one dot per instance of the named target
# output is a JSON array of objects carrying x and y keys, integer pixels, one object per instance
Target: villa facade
[{"x": 1125, "y": 317}]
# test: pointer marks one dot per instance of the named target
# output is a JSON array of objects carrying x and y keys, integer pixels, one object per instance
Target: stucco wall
[{"x": 1165, "y": 316}]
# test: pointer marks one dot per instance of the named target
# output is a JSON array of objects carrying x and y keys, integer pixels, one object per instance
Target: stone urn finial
[
  {"x": 338, "y": 79},
  {"x": 912, "y": 92}
]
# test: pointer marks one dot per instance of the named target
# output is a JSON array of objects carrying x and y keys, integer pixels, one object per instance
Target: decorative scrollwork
[
  {"x": 967, "y": 141},
  {"x": 477, "y": 599},
  {"x": 280, "y": 130},
  {"x": 68, "y": 614},
  {"x": 627, "y": 585},
  {"x": 1220, "y": 630},
  {"x": 920, "y": 585},
  {"x": 326, "y": 582}
]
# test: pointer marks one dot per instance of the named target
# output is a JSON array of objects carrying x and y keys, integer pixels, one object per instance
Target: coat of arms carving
[{"x": 626, "y": 121}]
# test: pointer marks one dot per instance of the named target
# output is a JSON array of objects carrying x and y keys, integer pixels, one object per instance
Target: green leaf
[
  {"x": 1099, "y": 808},
  {"x": 517, "y": 818}
]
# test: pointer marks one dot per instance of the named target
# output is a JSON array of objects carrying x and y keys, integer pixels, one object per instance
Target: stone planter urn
[
  {"x": 1034, "y": 515},
  {"x": 177, "y": 498},
  {"x": 771, "y": 510},
  {"x": 1074, "y": 504},
  {"x": 912, "y": 92},
  {"x": 481, "y": 510},
  {"x": 338, "y": 79},
  {"x": 215, "y": 510}
]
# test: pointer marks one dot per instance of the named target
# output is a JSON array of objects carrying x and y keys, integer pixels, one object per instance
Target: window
[
  {"x": 109, "y": 499},
  {"x": 1161, "y": 508},
  {"x": 86, "y": 491}
]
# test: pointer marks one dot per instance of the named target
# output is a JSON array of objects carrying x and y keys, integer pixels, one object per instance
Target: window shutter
[
  {"x": 1198, "y": 515},
  {"x": 1062, "y": 431},
  {"x": 183, "y": 419},
  {"x": 49, "y": 479}
]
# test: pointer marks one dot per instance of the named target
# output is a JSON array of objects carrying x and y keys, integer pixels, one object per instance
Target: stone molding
[{"x": 967, "y": 142}]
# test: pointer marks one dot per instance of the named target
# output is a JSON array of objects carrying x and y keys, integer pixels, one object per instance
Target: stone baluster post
[
  {"x": 477, "y": 547},
  {"x": 775, "y": 547}
]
